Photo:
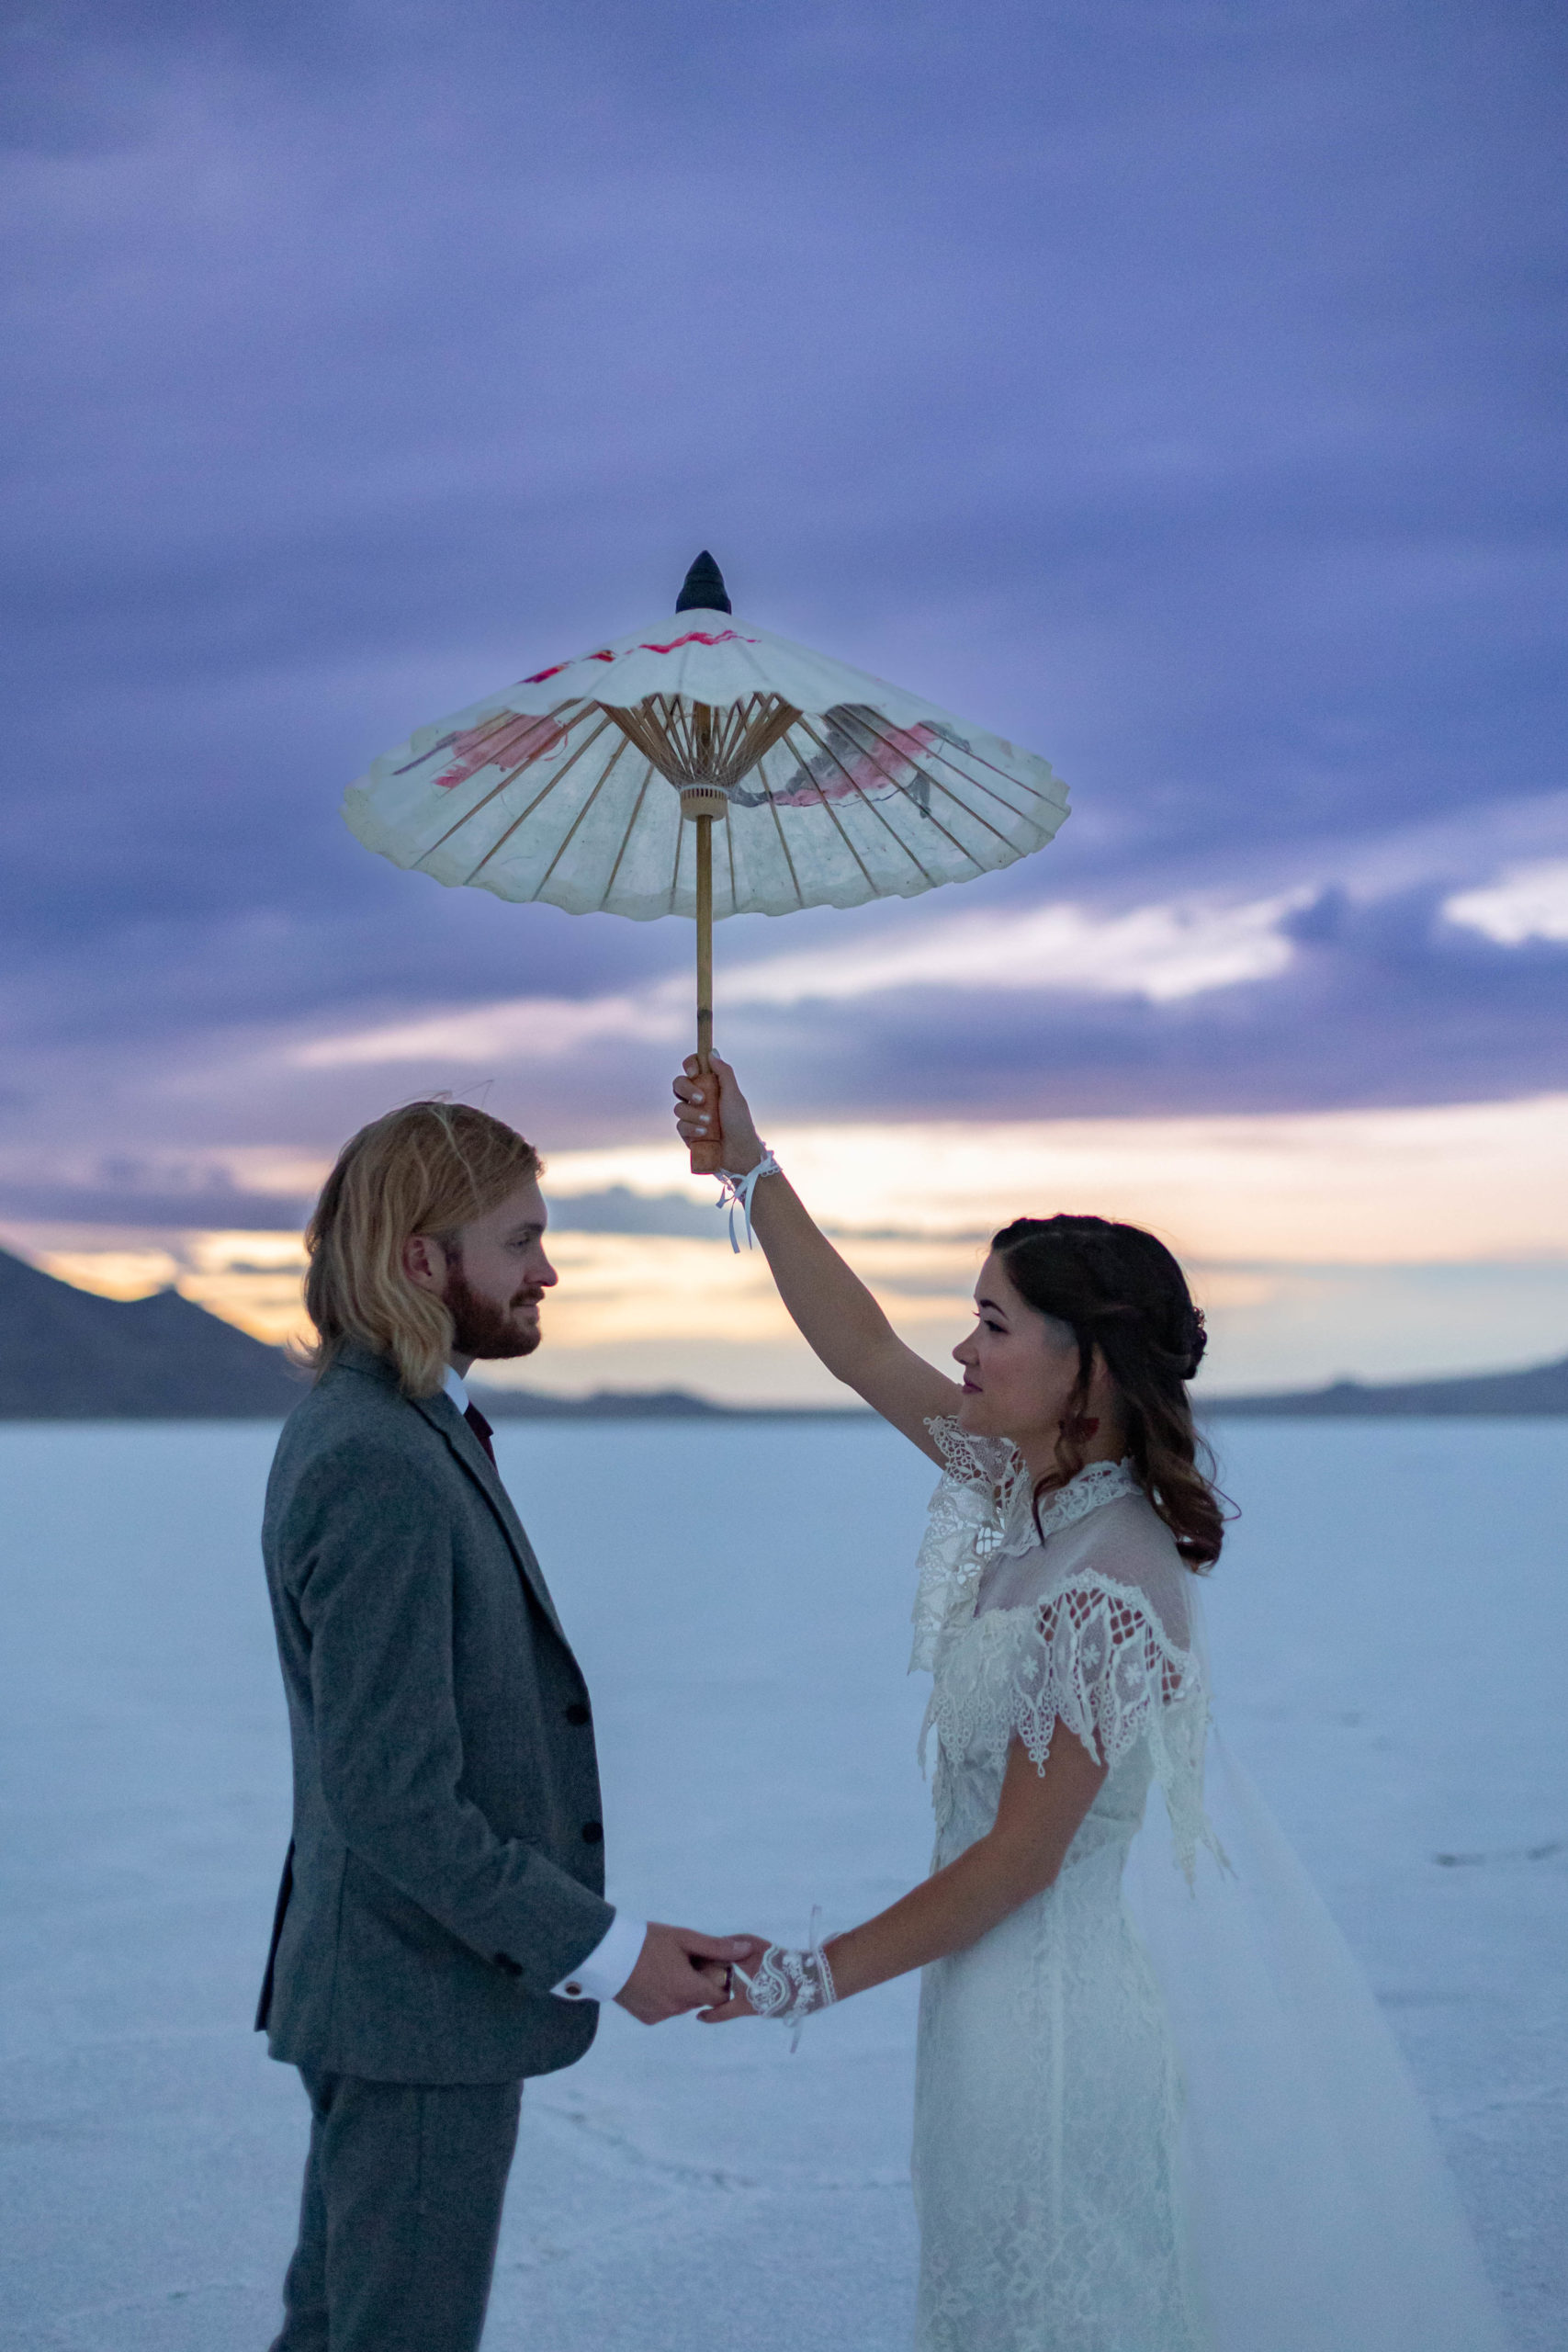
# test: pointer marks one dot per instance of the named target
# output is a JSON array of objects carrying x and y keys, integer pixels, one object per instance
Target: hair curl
[
  {"x": 1123, "y": 1294},
  {"x": 427, "y": 1167}
]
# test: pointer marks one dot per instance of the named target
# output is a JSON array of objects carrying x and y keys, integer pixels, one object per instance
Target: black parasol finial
[{"x": 702, "y": 590}]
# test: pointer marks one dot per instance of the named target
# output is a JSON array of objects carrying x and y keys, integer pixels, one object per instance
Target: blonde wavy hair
[{"x": 426, "y": 1168}]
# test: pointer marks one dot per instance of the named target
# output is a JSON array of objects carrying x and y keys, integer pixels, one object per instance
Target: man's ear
[{"x": 424, "y": 1262}]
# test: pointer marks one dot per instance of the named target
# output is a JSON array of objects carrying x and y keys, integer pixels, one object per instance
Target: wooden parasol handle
[{"x": 707, "y": 1156}]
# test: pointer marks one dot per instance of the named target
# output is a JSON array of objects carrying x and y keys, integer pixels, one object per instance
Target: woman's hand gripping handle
[
  {"x": 832, "y": 1307},
  {"x": 715, "y": 1119}
]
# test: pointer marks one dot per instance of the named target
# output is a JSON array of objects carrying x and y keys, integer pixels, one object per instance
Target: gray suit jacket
[{"x": 448, "y": 1865}]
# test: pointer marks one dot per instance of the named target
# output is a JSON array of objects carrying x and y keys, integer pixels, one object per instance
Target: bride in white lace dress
[
  {"x": 1053, "y": 2180},
  {"x": 1047, "y": 2108}
]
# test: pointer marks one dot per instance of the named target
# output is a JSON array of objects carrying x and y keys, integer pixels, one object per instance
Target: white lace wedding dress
[{"x": 1064, "y": 2203}]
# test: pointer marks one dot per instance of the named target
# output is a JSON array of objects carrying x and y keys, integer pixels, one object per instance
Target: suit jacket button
[
  {"x": 594, "y": 1832},
  {"x": 503, "y": 1960},
  {"x": 577, "y": 1712}
]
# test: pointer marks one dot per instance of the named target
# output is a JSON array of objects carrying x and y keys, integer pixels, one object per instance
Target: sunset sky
[{"x": 1174, "y": 387}]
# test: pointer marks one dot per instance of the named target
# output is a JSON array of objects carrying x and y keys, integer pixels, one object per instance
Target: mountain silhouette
[
  {"x": 1542, "y": 1390},
  {"x": 68, "y": 1355}
]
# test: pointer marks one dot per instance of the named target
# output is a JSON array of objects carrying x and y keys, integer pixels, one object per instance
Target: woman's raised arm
[{"x": 833, "y": 1310}]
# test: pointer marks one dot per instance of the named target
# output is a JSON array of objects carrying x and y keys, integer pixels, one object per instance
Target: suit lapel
[{"x": 443, "y": 1415}]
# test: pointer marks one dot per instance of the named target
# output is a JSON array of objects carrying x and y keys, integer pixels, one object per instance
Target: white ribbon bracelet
[
  {"x": 734, "y": 1193},
  {"x": 790, "y": 1986}
]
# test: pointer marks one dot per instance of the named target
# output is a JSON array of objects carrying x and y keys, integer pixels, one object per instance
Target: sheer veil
[
  {"x": 1323, "y": 2214},
  {"x": 1322, "y": 2217}
]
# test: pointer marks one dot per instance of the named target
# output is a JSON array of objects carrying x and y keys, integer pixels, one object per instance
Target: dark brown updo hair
[{"x": 1123, "y": 1292}]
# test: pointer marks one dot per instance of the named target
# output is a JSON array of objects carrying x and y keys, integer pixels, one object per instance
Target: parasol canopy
[
  {"x": 828, "y": 786},
  {"x": 600, "y": 784}
]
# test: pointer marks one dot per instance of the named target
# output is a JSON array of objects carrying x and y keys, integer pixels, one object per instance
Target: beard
[{"x": 480, "y": 1327}]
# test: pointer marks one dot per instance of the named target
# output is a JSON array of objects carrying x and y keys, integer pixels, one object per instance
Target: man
[{"x": 442, "y": 1929}]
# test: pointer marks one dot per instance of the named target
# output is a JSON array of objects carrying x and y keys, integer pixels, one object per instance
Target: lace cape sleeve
[
  {"x": 1093, "y": 1655},
  {"x": 988, "y": 1461},
  {"x": 967, "y": 1512}
]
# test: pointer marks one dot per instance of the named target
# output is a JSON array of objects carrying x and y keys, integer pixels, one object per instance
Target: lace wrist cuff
[
  {"x": 734, "y": 1193},
  {"x": 790, "y": 1986}
]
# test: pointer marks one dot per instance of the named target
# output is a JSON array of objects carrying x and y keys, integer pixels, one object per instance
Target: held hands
[
  {"x": 741, "y": 1146},
  {"x": 678, "y": 1970},
  {"x": 738, "y": 2004},
  {"x": 783, "y": 1983}
]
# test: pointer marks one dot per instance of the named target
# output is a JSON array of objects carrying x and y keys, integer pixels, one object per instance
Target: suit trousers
[{"x": 400, "y": 2215}]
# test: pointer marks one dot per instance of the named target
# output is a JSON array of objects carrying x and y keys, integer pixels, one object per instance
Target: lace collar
[
  {"x": 982, "y": 1508},
  {"x": 1024, "y": 1527}
]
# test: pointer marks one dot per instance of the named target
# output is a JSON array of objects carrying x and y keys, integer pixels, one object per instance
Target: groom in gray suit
[{"x": 442, "y": 1929}]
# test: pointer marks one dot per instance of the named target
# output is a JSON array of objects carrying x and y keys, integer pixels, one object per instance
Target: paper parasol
[{"x": 597, "y": 785}]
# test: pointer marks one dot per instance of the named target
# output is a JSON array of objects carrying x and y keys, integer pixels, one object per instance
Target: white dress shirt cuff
[{"x": 602, "y": 1976}]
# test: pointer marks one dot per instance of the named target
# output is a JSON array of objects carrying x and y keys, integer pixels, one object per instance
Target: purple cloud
[{"x": 1178, "y": 397}]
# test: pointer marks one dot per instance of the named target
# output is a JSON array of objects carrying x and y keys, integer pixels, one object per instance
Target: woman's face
[{"x": 1020, "y": 1367}]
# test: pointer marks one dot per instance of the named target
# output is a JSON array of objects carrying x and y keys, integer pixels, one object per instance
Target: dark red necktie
[{"x": 481, "y": 1428}]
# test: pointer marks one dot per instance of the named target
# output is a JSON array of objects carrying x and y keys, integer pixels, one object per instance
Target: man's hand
[{"x": 678, "y": 1970}]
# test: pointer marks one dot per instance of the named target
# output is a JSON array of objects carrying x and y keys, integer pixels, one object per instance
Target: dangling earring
[{"x": 1080, "y": 1427}]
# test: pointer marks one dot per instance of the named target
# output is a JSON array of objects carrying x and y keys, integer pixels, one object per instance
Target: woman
[
  {"x": 1046, "y": 2107},
  {"x": 1053, "y": 2188}
]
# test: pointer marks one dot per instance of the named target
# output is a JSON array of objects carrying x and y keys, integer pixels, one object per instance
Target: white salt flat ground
[{"x": 1390, "y": 1628}]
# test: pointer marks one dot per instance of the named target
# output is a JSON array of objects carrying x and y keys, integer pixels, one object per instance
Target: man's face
[{"x": 496, "y": 1273}]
